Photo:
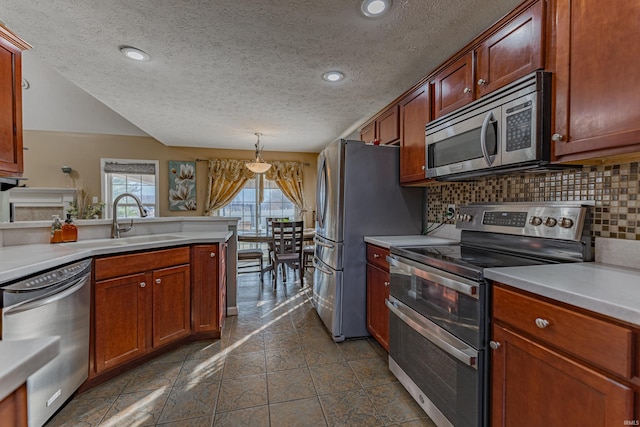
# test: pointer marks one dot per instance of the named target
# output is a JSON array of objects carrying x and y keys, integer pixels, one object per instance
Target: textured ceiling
[{"x": 222, "y": 70}]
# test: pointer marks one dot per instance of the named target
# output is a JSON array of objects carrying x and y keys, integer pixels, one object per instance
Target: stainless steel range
[{"x": 440, "y": 301}]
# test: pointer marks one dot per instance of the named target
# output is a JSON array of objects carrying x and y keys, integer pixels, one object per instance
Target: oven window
[
  {"x": 448, "y": 383},
  {"x": 453, "y": 311}
]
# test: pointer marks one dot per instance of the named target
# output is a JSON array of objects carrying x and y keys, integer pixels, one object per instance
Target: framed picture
[{"x": 182, "y": 186}]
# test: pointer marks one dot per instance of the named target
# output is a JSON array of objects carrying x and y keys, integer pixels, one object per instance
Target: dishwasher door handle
[{"x": 49, "y": 298}]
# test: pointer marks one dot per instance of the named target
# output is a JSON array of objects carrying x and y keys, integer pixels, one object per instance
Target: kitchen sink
[{"x": 123, "y": 241}]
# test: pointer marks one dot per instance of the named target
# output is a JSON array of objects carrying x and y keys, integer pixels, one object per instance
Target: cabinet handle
[
  {"x": 557, "y": 137},
  {"x": 386, "y": 284},
  {"x": 482, "y": 82},
  {"x": 542, "y": 323},
  {"x": 467, "y": 90},
  {"x": 376, "y": 256},
  {"x": 158, "y": 281},
  {"x": 494, "y": 345},
  {"x": 142, "y": 284},
  {"x": 212, "y": 254}
]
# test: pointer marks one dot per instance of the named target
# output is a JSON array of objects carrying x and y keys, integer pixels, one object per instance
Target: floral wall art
[{"x": 182, "y": 186}]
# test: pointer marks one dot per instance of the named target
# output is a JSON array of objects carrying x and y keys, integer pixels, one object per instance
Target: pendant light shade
[{"x": 259, "y": 165}]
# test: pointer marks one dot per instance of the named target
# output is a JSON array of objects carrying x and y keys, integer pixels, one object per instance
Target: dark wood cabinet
[
  {"x": 414, "y": 115},
  {"x": 171, "y": 307},
  {"x": 142, "y": 302},
  {"x": 11, "y": 48},
  {"x": 208, "y": 264},
  {"x": 512, "y": 51},
  {"x": 120, "y": 319},
  {"x": 548, "y": 366},
  {"x": 377, "y": 292},
  {"x": 385, "y": 128},
  {"x": 596, "y": 80},
  {"x": 13, "y": 408},
  {"x": 453, "y": 86}
]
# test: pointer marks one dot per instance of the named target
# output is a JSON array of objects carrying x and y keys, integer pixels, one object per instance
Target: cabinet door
[
  {"x": 171, "y": 304},
  {"x": 377, "y": 311},
  {"x": 222, "y": 286},
  {"x": 120, "y": 318},
  {"x": 535, "y": 386},
  {"x": 13, "y": 408},
  {"x": 453, "y": 86},
  {"x": 206, "y": 275},
  {"x": 414, "y": 115},
  {"x": 596, "y": 80},
  {"x": 388, "y": 126},
  {"x": 512, "y": 52},
  {"x": 368, "y": 133},
  {"x": 10, "y": 104}
]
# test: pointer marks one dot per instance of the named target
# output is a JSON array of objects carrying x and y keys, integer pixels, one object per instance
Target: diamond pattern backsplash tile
[{"x": 613, "y": 188}]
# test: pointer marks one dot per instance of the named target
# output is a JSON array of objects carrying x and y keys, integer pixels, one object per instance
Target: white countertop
[
  {"x": 413, "y": 240},
  {"x": 20, "y": 261},
  {"x": 606, "y": 289},
  {"x": 19, "y": 359}
]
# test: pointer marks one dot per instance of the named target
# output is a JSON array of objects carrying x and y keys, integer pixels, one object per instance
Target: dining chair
[
  {"x": 287, "y": 241},
  {"x": 249, "y": 254},
  {"x": 269, "y": 244}
]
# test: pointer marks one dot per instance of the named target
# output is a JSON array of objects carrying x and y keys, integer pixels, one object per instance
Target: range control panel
[{"x": 557, "y": 220}]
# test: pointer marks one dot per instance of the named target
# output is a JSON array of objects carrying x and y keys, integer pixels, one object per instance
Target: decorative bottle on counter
[
  {"x": 69, "y": 230},
  {"x": 56, "y": 230}
]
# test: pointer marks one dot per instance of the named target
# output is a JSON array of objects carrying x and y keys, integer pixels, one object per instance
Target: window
[
  {"x": 253, "y": 214},
  {"x": 138, "y": 177}
]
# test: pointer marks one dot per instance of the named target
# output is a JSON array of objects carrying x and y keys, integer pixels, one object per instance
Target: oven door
[
  {"x": 447, "y": 300},
  {"x": 443, "y": 374}
]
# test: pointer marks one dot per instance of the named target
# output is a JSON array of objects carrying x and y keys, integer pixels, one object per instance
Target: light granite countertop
[
  {"x": 20, "y": 261},
  {"x": 602, "y": 288},
  {"x": 19, "y": 359},
  {"x": 415, "y": 240}
]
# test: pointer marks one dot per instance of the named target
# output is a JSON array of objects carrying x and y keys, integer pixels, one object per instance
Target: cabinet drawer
[
  {"x": 596, "y": 341},
  {"x": 378, "y": 256},
  {"x": 122, "y": 265}
]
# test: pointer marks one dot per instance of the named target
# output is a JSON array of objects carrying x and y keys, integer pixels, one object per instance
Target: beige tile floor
[{"x": 275, "y": 365}]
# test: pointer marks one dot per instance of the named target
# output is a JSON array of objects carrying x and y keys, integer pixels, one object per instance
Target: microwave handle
[{"x": 483, "y": 137}]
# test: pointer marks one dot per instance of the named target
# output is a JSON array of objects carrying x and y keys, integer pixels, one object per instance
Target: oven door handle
[
  {"x": 451, "y": 281},
  {"x": 432, "y": 332}
]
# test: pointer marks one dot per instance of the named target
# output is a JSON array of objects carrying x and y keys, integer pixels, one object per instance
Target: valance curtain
[{"x": 228, "y": 176}]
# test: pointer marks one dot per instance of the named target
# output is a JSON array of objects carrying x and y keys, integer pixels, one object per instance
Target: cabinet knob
[
  {"x": 158, "y": 281},
  {"x": 494, "y": 345},
  {"x": 424, "y": 167},
  {"x": 142, "y": 284},
  {"x": 542, "y": 323},
  {"x": 482, "y": 82},
  {"x": 467, "y": 90},
  {"x": 376, "y": 256},
  {"x": 212, "y": 254},
  {"x": 557, "y": 137},
  {"x": 386, "y": 284}
]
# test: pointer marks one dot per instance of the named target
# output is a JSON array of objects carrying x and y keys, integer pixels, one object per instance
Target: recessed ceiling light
[
  {"x": 375, "y": 8},
  {"x": 135, "y": 54},
  {"x": 333, "y": 76}
]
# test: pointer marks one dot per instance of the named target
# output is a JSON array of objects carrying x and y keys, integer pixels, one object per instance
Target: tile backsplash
[{"x": 613, "y": 188}]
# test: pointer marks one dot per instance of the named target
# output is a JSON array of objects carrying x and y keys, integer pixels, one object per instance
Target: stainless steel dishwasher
[{"x": 54, "y": 302}]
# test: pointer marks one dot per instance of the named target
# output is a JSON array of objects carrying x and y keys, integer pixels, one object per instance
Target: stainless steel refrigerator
[{"x": 358, "y": 194}]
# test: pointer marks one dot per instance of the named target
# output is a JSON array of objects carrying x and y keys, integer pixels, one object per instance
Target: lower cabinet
[
  {"x": 552, "y": 366},
  {"x": 142, "y": 302},
  {"x": 208, "y": 263},
  {"x": 13, "y": 408},
  {"x": 377, "y": 293}
]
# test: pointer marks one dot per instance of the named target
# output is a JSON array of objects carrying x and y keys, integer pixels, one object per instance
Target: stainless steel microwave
[{"x": 502, "y": 132}]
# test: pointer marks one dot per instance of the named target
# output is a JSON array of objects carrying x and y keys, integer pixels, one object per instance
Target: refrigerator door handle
[
  {"x": 321, "y": 243},
  {"x": 319, "y": 268}
]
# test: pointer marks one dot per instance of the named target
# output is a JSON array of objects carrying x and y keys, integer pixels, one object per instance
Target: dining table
[{"x": 263, "y": 237}]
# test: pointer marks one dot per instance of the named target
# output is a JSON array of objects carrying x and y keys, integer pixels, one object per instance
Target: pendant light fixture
[{"x": 259, "y": 165}]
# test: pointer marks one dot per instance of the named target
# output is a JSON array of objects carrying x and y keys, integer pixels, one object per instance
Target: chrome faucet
[{"x": 115, "y": 227}]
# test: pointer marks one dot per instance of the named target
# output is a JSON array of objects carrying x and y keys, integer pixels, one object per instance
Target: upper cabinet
[
  {"x": 596, "y": 80},
  {"x": 414, "y": 115},
  {"x": 512, "y": 51},
  {"x": 11, "y": 48},
  {"x": 453, "y": 86},
  {"x": 385, "y": 128}
]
